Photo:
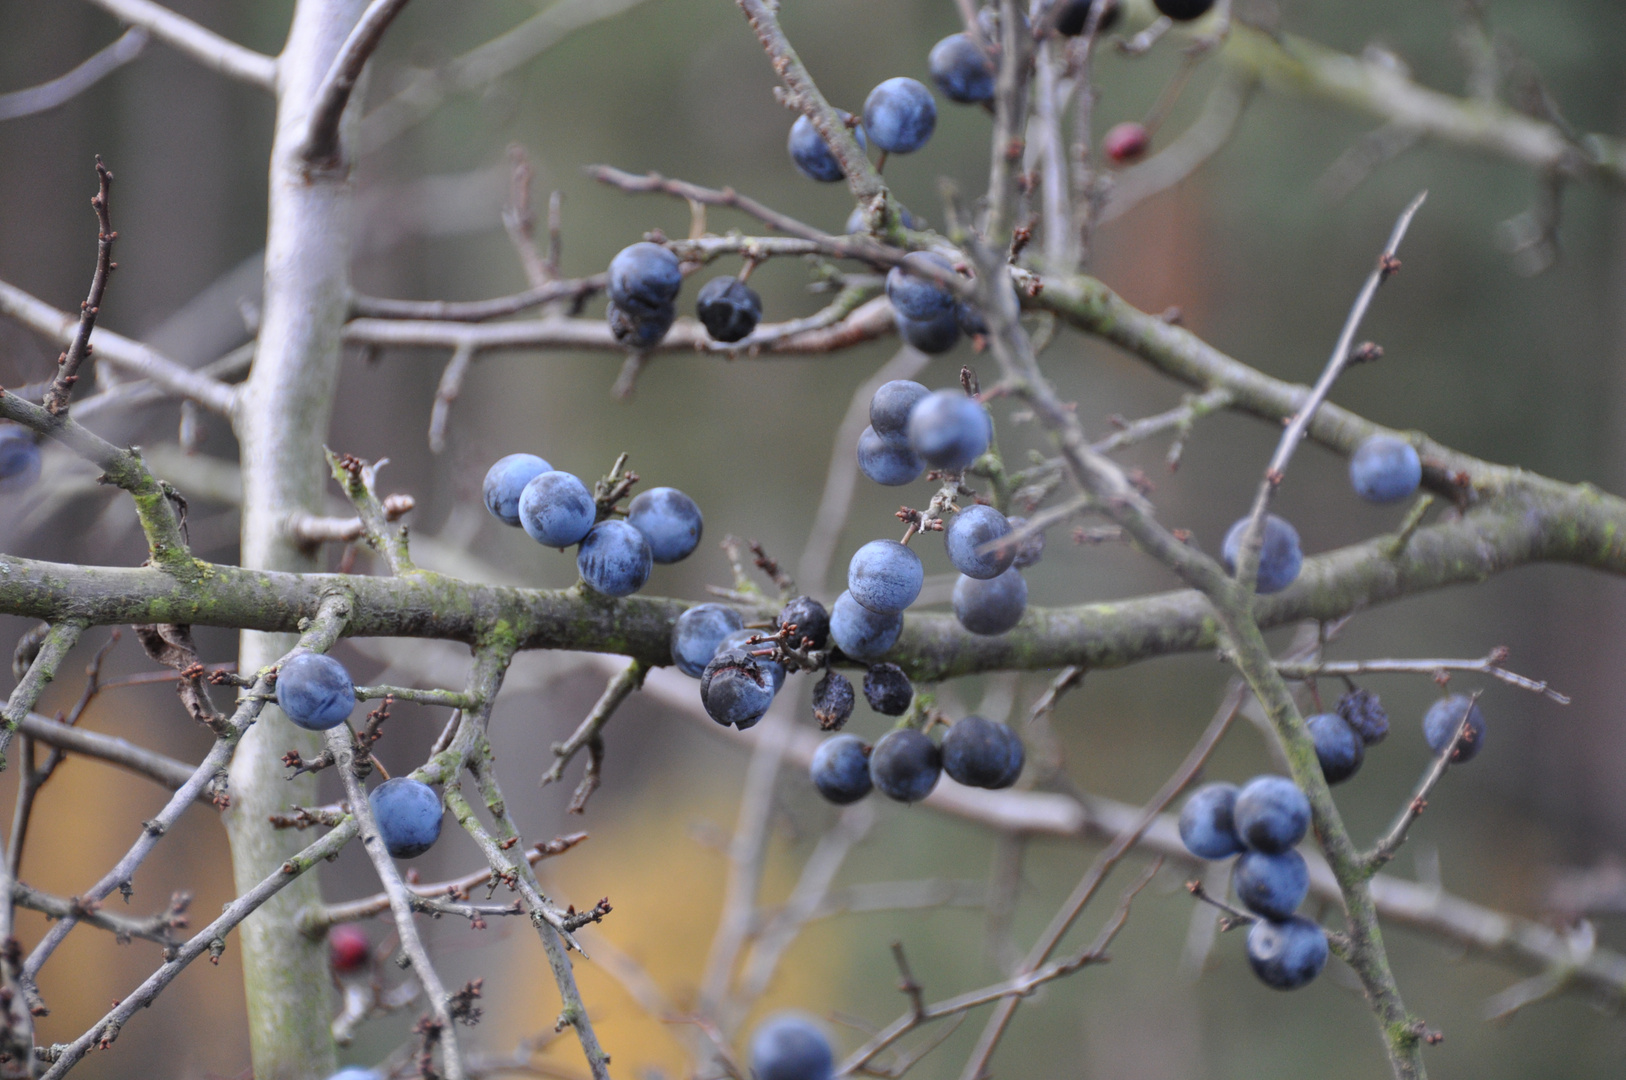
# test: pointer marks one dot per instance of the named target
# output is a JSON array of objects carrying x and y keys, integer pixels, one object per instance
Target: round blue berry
[
  {"x": 891, "y": 405},
  {"x": 905, "y": 765},
  {"x": 811, "y": 155},
  {"x": 354, "y": 1072},
  {"x": 736, "y": 688},
  {"x": 840, "y": 769},
  {"x": 506, "y": 480},
  {"x": 1385, "y": 469},
  {"x": 556, "y": 509},
  {"x": 669, "y": 520},
  {"x": 314, "y": 691},
  {"x": 729, "y": 308},
  {"x": 1337, "y": 746},
  {"x": 1271, "y": 885},
  {"x": 1364, "y": 712},
  {"x": 699, "y": 632},
  {"x": 1443, "y": 719},
  {"x": 916, "y": 296},
  {"x": 1031, "y": 548},
  {"x": 885, "y": 576},
  {"x": 408, "y": 814},
  {"x": 979, "y": 752},
  {"x": 993, "y": 606},
  {"x": 741, "y": 639},
  {"x": 20, "y": 459},
  {"x": 1271, "y": 814},
  {"x": 961, "y": 71},
  {"x": 949, "y": 430},
  {"x": 1206, "y": 825},
  {"x": 888, "y": 461},
  {"x": 790, "y": 1047},
  {"x": 900, "y": 115},
  {"x": 861, "y": 633},
  {"x": 1280, "y": 557},
  {"x": 972, "y": 539},
  {"x": 640, "y": 331},
  {"x": 932, "y": 336},
  {"x": 644, "y": 278},
  {"x": 614, "y": 559},
  {"x": 809, "y": 617},
  {"x": 1288, "y": 954}
]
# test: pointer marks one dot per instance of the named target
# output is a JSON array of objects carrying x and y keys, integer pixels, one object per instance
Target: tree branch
[
  {"x": 64, "y": 88},
  {"x": 56, "y": 398},
  {"x": 321, "y": 147},
  {"x": 205, "y": 46}
]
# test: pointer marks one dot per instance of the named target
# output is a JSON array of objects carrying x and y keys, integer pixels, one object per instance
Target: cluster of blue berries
[
  {"x": 905, "y": 764},
  {"x": 19, "y": 459},
  {"x": 1261, "y": 824},
  {"x": 555, "y": 509},
  {"x": 644, "y": 281},
  {"x": 741, "y": 668}
]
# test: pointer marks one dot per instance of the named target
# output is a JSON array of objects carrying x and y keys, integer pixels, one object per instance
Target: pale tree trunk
[{"x": 281, "y": 425}]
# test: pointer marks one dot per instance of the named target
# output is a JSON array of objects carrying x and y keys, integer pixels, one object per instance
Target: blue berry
[
  {"x": 640, "y": 331},
  {"x": 736, "y": 688},
  {"x": 1443, "y": 718},
  {"x": 969, "y": 536},
  {"x": 961, "y": 71},
  {"x": 993, "y": 606},
  {"x": 1031, "y": 549},
  {"x": 644, "y": 278},
  {"x": 810, "y": 154},
  {"x": 811, "y": 620},
  {"x": 1271, "y": 814},
  {"x": 408, "y": 814},
  {"x": 556, "y": 509},
  {"x": 1280, "y": 557},
  {"x": 970, "y": 320},
  {"x": 314, "y": 691},
  {"x": 1337, "y": 747},
  {"x": 1271, "y": 885},
  {"x": 504, "y": 482},
  {"x": 861, "y": 633},
  {"x": 1183, "y": 10},
  {"x": 1073, "y": 16},
  {"x": 742, "y": 639},
  {"x": 885, "y": 576},
  {"x": 916, "y": 296},
  {"x": 888, "y": 461},
  {"x": 900, "y": 115},
  {"x": 669, "y": 520},
  {"x": 20, "y": 459},
  {"x": 888, "y": 690},
  {"x": 790, "y": 1047},
  {"x": 840, "y": 769},
  {"x": 1364, "y": 712},
  {"x": 949, "y": 430},
  {"x": 699, "y": 632},
  {"x": 905, "y": 765},
  {"x": 1385, "y": 469},
  {"x": 614, "y": 559},
  {"x": 729, "y": 308},
  {"x": 889, "y": 409},
  {"x": 833, "y": 701},
  {"x": 1206, "y": 825},
  {"x": 931, "y": 336},
  {"x": 981, "y": 753},
  {"x": 354, "y": 1072},
  {"x": 1289, "y": 954}
]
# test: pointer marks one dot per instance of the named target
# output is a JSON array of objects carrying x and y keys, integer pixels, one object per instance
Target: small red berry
[
  {"x": 348, "y": 947},
  {"x": 1126, "y": 142}
]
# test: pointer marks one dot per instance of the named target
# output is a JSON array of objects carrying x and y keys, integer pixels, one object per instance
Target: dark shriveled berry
[
  {"x": 811, "y": 621},
  {"x": 905, "y": 765},
  {"x": 1363, "y": 711},
  {"x": 833, "y": 701},
  {"x": 888, "y": 690},
  {"x": 729, "y": 308}
]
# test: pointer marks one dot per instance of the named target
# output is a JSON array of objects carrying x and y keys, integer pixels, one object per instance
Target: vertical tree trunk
[{"x": 281, "y": 425}]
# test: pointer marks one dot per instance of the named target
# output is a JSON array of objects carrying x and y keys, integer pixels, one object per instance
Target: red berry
[
  {"x": 348, "y": 947},
  {"x": 1126, "y": 142}
]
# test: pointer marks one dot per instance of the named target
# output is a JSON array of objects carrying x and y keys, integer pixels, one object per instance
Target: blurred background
[{"x": 1257, "y": 256}]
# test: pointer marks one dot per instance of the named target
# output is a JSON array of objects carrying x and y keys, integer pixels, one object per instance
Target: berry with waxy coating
[
  {"x": 1126, "y": 142},
  {"x": 900, "y": 115},
  {"x": 743, "y": 639},
  {"x": 699, "y": 632},
  {"x": 1271, "y": 885},
  {"x": 885, "y": 576},
  {"x": 1074, "y": 15},
  {"x": 916, "y": 296},
  {"x": 888, "y": 690},
  {"x": 861, "y": 633},
  {"x": 811, "y": 620},
  {"x": 1271, "y": 814},
  {"x": 506, "y": 480},
  {"x": 640, "y": 331},
  {"x": 840, "y": 769},
  {"x": 314, "y": 691},
  {"x": 556, "y": 509},
  {"x": 1280, "y": 556},
  {"x": 729, "y": 308},
  {"x": 905, "y": 765},
  {"x": 949, "y": 429},
  {"x": 643, "y": 279},
  {"x": 669, "y": 520},
  {"x": 968, "y": 536},
  {"x": 408, "y": 813},
  {"x": 614, "y": 559},
  {"x": 1337, "y": 746},
  {"x": 811, "y": 155},
  {"x": 736, "y": 688},
  {"x": 1288, "y": 954},
  {"x": 1183, "y": 10},
  {"x": 790, "y": 1046},
  {"x": 1363, "y": 711},
  {"x": 990, "y": 607},
  {"x": 1385, "y": 469},
  {"x": 979, "y": 752},
  {"x": 932, "y": 336},
  {"x": 348, "y": 947},
  {"x": 889, "y": 409},
  {"x": 1443, "y": 718},
  {"x": 961, "y": 71},
  {"x": 1206, "y": 825},
  {"x": 833, "y": 700},
  {"x": 1031, "y": 549},
  {"x": 889, "y": 461}
]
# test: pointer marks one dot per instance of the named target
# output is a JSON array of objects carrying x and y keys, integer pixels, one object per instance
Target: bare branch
[
  {"x": 619, "y": 688},
  {"x": 56, "y": 398},
  {"x": 321, "y": 146},
  {"x": 64, "y": 88},
  {"x": 1490, "y": 664},
  {"x": 373, "y": 307},
  {"x": 1384, "y": 850},
  {"x": 205, "y": 46}
]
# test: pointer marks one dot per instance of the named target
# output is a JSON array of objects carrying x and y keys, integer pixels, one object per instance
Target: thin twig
[
  {"x": 64, "y": 88},
  {"x": 78, "y": 351},
  {"x": 205, "y": 46},
  {"x": 321, "y": 148},
  {"x": 1384, "y": 850},
  {"x": 377, "y": 307},
  {"x": 619, "y": 688},
  {"x": 1490, "y": 664}
]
